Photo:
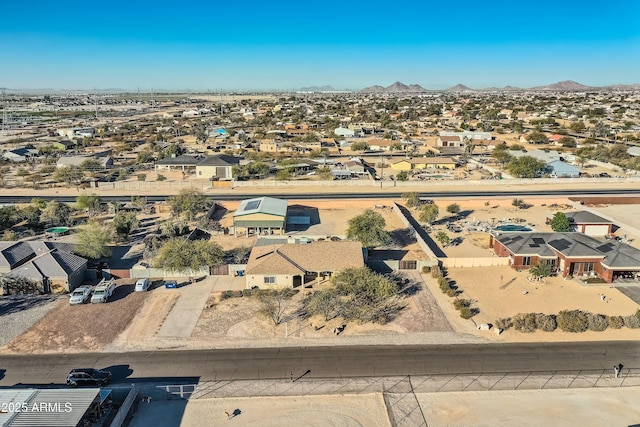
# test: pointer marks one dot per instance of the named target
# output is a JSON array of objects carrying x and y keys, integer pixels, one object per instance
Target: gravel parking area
[
  {"x": 19, "y": 312},
  {"x": 85, "y": 327}
]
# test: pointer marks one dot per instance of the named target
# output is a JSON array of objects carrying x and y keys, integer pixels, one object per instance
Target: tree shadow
[
  {"x": 15, "y": 303},
  {"x": 121, "y": 292}
]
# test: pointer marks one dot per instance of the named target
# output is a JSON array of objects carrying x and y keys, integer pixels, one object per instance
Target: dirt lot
[
  {"x": 502, "y": 292},
  {"x": 87, "y": 327},
  {"x": 241, "y": 318}
]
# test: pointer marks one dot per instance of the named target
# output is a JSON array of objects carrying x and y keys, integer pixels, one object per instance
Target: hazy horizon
[{"x": 285, "y": 46}]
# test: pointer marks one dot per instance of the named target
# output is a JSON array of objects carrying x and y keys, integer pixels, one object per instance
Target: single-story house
[
  {"x": 262, "y": 215},
  {"x": 20, "y": 155},
  {"x": 217, "y": 167},
  {"x": 344, "y": 132},
  {"x": 50, "y": 264},
  {"x": 562, "y": 169},
  {"x": 571, "y": 254},
  {"x": 291, "y": 265},
  {"x": 182, "y": 162},
  {"x": 424, "y": 163},
  {"x": 381, "y": 144},
  {"x": 106, "y": 162},
  {"x": 64, "y": 145},
  {"x": 449, "y": 141}
]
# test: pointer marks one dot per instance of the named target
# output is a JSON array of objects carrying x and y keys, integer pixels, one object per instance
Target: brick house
[{"x": 571, "y": 254}]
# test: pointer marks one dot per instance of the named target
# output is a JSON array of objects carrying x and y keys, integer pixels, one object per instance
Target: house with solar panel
[
  {"x": 570, "y": 254},
  {"x": 260, "y": 216},
  {"x": 53, "y": 266}
]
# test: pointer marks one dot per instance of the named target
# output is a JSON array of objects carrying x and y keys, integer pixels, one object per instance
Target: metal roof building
[
  {"x": 48, "y": 407},
  {"x": 263, "y": 215}
]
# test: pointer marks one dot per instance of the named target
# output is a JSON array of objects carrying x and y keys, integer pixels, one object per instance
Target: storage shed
[{"x": 263, "y": 215}]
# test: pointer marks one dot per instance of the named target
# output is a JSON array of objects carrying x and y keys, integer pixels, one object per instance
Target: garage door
[{"x": 596, "y": 230}]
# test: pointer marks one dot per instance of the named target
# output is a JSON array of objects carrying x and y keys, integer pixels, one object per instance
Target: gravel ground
[{"x": 19, "y": 312}]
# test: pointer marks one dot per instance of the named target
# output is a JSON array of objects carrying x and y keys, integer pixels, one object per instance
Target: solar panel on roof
[
  {"x": 252, "y": 205},
  {"x": 561, "y": 244},
  {"x": 538, "y": 240},
  {"x": 607, "y": 247},
  {"x": 533, "y": 245}
]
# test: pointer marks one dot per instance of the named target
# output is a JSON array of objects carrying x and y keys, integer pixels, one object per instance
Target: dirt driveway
[{"x": 86, "y": 327}]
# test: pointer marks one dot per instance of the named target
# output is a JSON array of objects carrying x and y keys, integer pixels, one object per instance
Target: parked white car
[
  {"x": 103, "y": 291},
  {"x": 80, "y": 295},
  {"x": 143, "y": 285}
]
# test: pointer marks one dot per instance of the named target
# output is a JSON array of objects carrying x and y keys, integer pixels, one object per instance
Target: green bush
[
  {"x": 444, "y": 285},
  {"x": 426, "y": 269},
  {"x": 466, "y": 313},
  {"x": 459, "y": 304},
  {"x": 250, "y": 292},
  {"x": 616, "y": 322},
  {"x": 546, "y": 322},
  {"x": 504, "y": 323},
  {"x": 226, "y": 295},
  {"x": 524, "y": 322},
  {"x": 452, "y": 292},
  {"x": 597, "y": 322},
  {"x": 436, "y": 272},
  {"x": 572, "y": 320},
  {"x": 632, "y": 322}
]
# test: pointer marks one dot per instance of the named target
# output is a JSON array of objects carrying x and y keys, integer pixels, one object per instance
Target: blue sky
[{"x": 280, "y": 45}]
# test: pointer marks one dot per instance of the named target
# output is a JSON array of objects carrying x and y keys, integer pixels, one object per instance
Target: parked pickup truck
[{"x": 103, "y": 291}]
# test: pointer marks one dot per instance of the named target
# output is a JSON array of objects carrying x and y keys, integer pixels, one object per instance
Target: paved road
[
  {"x": 359, "y": 195},
  {"x": 323, "y": 362}
]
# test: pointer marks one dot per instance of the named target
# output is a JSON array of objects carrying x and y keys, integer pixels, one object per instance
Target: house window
[
  {"x": 587, "y": 267},
  {"x": 526, "y": 260},
  {"x": 269, "y": 280}
]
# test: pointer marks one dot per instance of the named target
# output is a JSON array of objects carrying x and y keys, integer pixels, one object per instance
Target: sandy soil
[
  {"x": 240, "y": 318},
  {"x": 366, "y": 410},
  {"x": 80, "y": 328},
  {"x": 575, "y": 407},
  {"x": 502, "y": 292},
  {"x": 148, "y": 321}
]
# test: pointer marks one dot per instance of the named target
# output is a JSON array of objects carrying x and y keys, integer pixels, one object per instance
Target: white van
[
  {"x": 103, "y": 291},
  {"x": 143, "y": 285}
]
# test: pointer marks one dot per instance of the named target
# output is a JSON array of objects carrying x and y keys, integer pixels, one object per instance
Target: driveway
[
  {"x": 184, "y": 315},
  {"x": 632, "y": 291}
]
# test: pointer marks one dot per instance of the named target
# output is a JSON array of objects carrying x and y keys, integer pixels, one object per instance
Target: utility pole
[{"x": 4, "y": 111}]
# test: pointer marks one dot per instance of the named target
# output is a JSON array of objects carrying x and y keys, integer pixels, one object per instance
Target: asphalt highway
[
  {"x": 180, "y": 366},
  {"x": 363, "y": 195}
]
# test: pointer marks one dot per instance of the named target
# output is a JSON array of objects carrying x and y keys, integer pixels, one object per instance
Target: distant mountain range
[{"x": 564, "y": 86}]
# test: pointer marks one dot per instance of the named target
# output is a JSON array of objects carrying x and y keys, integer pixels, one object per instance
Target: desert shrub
[
  {"x": 250, "y": 292},
  {"x": 597, "y": 322},
  {"x": 426, "y": 269},
  {"x": 436, "y": 272},
  {"x": 504, "y": 324},
  {"x": 452, "y": 292},
  {"x": 466, "y": 313},
  {"x": 524, "y": 322},
  {"x": 444, "y": 285},
  {"x": 459, "y": 304},
  {"x": 226, "y": 295},
  {"x": 546, "y": 322},
  {"x": 632, "y": 322},
  {"x": 616, "y": 322},
  {"x": 572, "y": 320}
]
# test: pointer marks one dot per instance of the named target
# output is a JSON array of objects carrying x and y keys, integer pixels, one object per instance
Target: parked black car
[{"x": 88, "y": 376}]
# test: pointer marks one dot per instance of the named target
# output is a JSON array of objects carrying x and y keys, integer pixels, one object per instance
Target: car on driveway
[
  {"x": 80, "y": 295},
  {"x": 103, "y": 291},
  {"x": 88, "y": 376},
  {"x": 143, "y": 285}
]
